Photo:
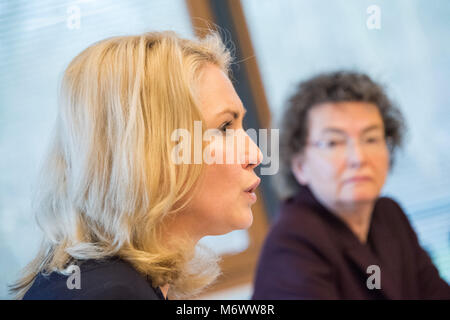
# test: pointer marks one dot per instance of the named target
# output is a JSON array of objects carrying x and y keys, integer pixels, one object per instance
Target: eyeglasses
[{"x": 339, "y": 146}]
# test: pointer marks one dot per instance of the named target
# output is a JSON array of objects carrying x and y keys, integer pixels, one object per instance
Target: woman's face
[
  {"x": 221, "y": 203},
  {"x": 346, "y": 159}
]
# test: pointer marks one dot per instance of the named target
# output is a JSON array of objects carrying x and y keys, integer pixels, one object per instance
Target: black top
[
  {"x": 111, "y": 278},
  {"x": 311, "y": 254}
]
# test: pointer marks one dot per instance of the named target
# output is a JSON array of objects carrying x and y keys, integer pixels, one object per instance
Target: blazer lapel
[
  {"x": 362, "y": 257},
  {"x": 382, "y": 249},
  {"x": 386, "y": 246}
]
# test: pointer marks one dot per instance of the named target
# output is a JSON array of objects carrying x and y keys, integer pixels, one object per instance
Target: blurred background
[{"x": 403, "y": 44}]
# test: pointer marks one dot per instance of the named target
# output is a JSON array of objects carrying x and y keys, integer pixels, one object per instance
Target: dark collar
[
  {"x": 159, "y": 293},
  {"x": 382, "y": 248},
  {"x": 156, "y": 289}
]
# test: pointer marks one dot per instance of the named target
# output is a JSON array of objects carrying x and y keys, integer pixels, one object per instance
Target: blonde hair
[{"x": 107, "y": 184}]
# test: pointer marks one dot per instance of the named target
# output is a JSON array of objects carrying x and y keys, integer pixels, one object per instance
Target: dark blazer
[
  {"x": 110, "y": 278},
  {"x": 311, "y": 254}
]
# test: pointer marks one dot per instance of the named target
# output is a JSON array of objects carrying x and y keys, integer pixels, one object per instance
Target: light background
[
  {"x": 293, "y": 40},
  {"x": 409, "y": 54}
]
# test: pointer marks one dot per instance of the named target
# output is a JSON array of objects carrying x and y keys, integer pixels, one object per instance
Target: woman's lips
[
  {"x": 251, "y": 196},
  {"x": 250, "y": 191},
  {"x": 253, "y": 186},
  {"x": 358, "y": 179}
]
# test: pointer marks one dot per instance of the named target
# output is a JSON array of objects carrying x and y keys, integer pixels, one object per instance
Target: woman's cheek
[
  {"x": 326, "y": 170},
  {"x": 226, "y": 149},
  {"x": 382, "y": 167},
  {"x": 220, "y": 150}
]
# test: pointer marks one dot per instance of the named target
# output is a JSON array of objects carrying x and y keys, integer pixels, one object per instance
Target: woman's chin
[
  {"x": 360, "y": 194},
  {"x": 240, "y": 221},
  {"x": 361, "y": 197},
  {"x": 244, "y": 220}
]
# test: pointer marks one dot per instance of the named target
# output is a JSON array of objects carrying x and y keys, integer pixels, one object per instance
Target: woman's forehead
[
  {"x": 347, "y": 117},
  {"x": 217, "y": 94}
]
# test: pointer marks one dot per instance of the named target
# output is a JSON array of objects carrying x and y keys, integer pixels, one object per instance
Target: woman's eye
[
  {"x": 334, "y": 143},
  {"x": 373, "y": 140},
  {"x": 225, "y": 126}
]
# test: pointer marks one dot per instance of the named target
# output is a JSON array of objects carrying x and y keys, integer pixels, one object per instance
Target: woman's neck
[
  {"x": 357, "y": 217},
  {"x": 176, "y": 231}
]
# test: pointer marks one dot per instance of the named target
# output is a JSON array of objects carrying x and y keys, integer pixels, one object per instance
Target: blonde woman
[{"x": 121, "y": 219}]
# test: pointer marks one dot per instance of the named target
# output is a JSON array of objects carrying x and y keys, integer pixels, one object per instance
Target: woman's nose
[
  {"x": 252, "y": 155},
  {"x": 356, "y": 155}
]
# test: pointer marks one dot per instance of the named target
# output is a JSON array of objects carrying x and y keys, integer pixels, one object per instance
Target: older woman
[
  {"x": 121, "y": 217},
  {"x": 336, "y": 238}
]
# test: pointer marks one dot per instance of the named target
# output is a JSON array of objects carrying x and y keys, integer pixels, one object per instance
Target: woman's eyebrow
[
  {"x": 333, "y": 130},
  {"x": 340, "y": 131},
  {"x": 372, "y": 127},
  {"x": 235, "y": 113}
]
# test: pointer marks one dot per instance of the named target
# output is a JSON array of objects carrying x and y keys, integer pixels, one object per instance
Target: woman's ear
[{"x": 298, "y": 170}]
